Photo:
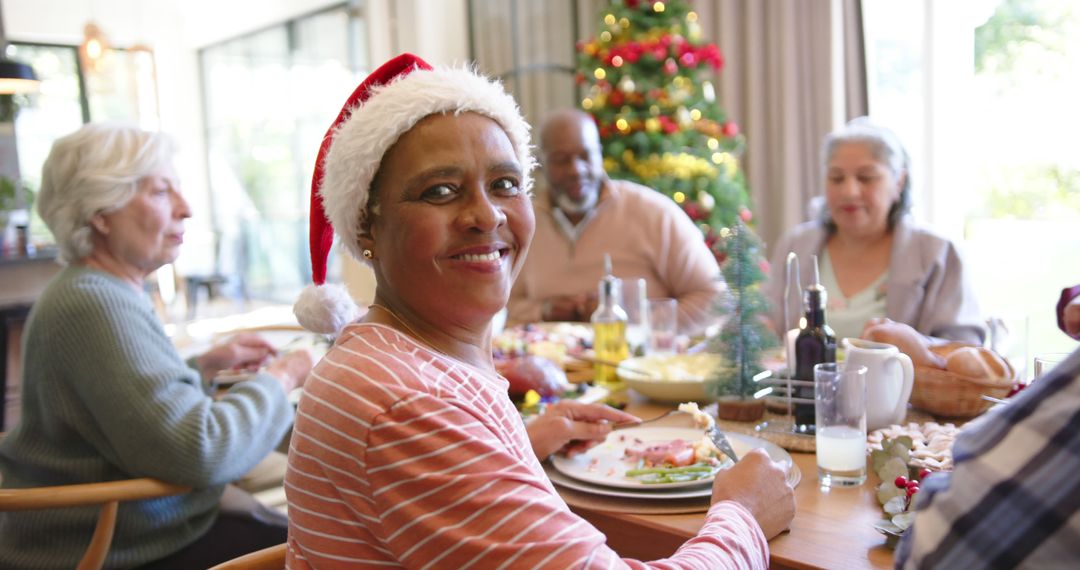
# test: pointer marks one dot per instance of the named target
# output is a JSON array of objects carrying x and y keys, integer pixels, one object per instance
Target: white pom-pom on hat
[
  {"x": 325, "y": 308},
  {"x": 384, "y": 106}
]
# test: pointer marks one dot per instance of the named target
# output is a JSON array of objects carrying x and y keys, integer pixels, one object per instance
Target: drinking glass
[
  {"x": 663, "y": 325},
  {"x": 1047, "y": 361},
  {"x": 840, "y": 420},
  {"x": 637, "y": 315}
]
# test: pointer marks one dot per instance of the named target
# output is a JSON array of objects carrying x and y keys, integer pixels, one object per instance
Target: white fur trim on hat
[
  {"x": 362, "y": 140},
  {"x": 325, "y": 309}
]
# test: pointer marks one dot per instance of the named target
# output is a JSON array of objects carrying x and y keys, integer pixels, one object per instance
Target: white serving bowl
[{"x": 673, "y": 378}]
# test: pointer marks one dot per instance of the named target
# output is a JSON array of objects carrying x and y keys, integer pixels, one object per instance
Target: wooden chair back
[{"x": 108, "y": 495}]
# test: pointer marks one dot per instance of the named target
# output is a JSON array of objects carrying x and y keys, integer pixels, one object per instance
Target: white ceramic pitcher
[{"x": 889, "y": 378}]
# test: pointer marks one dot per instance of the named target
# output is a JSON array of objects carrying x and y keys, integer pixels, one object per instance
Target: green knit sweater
[{"x": 105, "y": 397}]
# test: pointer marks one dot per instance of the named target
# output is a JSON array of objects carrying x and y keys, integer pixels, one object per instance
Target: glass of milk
[{"x": 840, "y": 413}]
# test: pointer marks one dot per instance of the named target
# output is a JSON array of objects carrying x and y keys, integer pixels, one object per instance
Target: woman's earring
[{"x": 368, "y": 254}]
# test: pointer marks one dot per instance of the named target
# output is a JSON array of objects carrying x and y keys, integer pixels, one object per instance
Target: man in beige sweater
[{"x": 585, "y": 215}]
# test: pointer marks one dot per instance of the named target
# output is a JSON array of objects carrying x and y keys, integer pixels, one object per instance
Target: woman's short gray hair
[
  {"x": 95, "y": 170},
  {"x": 886, "y": 148}
]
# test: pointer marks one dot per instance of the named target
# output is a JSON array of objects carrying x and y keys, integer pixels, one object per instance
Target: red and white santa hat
[{"x": 382, "y": 108}]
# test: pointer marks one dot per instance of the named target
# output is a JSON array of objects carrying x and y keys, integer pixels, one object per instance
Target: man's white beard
[{"x": 574, "y": 208}]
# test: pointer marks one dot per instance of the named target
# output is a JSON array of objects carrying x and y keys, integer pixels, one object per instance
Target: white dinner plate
[
  {"x": 657, "y": 494},
  {"x": 605, "y": 464}
]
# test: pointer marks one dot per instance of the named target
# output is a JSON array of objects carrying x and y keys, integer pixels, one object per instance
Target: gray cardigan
[
  {"x": 107, "y": 397},
  {"x": 926, "y": 287}
]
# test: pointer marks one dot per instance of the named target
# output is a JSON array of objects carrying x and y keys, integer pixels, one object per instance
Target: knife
[{"x": 721, "y": 442}]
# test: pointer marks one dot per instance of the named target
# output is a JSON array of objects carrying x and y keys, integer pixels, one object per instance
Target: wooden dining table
[{"x": 833, "y": 527}]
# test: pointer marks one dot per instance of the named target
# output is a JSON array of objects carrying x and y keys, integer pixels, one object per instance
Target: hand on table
[
  {"x": 245, "y": 351},
  {"x": 291, "y": 368},
  {"x": 759, "y": 485},
  {"x": 573, "y": 427}
]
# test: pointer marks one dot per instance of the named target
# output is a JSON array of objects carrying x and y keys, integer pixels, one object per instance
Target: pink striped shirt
[{"x": 404, "y": 458}]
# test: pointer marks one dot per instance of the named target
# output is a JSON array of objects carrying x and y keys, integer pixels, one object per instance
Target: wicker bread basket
[{"x": 946, "y": 394}]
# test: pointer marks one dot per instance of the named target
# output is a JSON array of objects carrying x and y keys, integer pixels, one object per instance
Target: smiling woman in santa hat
[{"x": 406, "y": 449}]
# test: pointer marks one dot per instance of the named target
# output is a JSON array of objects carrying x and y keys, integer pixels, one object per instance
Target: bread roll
[
  {"x": 977, "y": 362},
  {"x": 908, "y": 340}
]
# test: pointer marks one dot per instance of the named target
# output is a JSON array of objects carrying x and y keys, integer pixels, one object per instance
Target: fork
[
  {"x": 721, "y": 442},
  {"x": 648, "y": 421}
]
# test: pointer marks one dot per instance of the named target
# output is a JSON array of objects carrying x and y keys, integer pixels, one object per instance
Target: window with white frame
[
  {"x": 269, "y": 98},
  {"x": 983, "y": 94}
]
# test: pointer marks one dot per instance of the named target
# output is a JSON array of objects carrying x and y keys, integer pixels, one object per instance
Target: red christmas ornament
[
  {"x": 730, "y": 129},
  {"x": 763, "y": 265},
  {"x": 670, "y": 67},
  {"x": 632, "y": 3},
  {"x": 688, "y": 59},
  {"x": 746, "y": 215},
  {"x": 616, "y": 98}
]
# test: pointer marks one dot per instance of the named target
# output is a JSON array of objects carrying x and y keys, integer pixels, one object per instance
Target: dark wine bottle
[{"x": 815, "y": 344}]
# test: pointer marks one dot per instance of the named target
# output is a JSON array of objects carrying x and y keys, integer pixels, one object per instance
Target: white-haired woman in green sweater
[{"x": 105, "y": 394}]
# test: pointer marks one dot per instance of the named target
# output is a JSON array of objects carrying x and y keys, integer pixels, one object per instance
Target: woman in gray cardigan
[
  {"x": 106, "y": 396},
  {"x": 874, "y": 262}
]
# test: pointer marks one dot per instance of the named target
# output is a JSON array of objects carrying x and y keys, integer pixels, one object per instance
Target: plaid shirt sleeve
[{"x": 1014, "y": 497}]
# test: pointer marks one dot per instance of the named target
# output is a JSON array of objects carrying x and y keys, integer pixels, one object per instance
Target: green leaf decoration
[
  {"x": 895, "y": 505},
  {"x": 890, "y": 462},
  {"x": 878, "y": 457},
  {"x": 886, "y": 491},
  {"x": 903, "y": 520},
  {"x": 893, "y": 468}
]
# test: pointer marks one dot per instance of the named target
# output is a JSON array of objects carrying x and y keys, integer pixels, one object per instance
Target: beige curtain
[{"x": 530, "y": 45}]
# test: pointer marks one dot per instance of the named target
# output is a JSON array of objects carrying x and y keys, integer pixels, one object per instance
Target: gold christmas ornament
[
  {"x": 679, "y": 197},
  {"x": 599, "y": 73},
  {"x": 652, "y": 125},
  {"x": 658, "y": 7},
  {"x": 586, "y": 103},
  {"x": 605, "y": 36},
  {"x": 695, "y": 114},
  {"x": 609, "y": 19},
  {"x": 626, "y": 85}
]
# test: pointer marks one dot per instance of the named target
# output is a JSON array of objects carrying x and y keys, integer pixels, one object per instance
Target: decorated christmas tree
[
  {"x": 743, "y": 336},
  {"x": 646, "y": 82}
]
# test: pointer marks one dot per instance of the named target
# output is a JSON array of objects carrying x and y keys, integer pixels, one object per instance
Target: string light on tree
[{"x": 649, "y": 79}]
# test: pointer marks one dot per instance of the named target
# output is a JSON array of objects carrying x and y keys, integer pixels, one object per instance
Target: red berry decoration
[
  {"x": 924, "y": 474},
  {"x": 912, "y": 484},
  {"x": 901, "y": 482}
]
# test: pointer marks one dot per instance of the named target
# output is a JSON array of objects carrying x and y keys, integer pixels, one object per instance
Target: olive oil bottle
[{"x": 609, "y": 329}]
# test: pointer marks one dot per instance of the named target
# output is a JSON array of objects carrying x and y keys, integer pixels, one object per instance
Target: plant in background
[
  {"x": 647, "y": 85},
  {"x": 743, "y": 335}
]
